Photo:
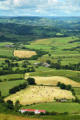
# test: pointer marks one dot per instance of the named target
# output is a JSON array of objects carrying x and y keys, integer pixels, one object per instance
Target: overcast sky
[{"x": 39, "y": 7}]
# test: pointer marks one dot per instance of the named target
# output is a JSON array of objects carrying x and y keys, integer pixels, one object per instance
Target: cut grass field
[
  {"x": 43, "y": 72},
  {"x": 24, "y": 54},
  {"x": 39, "y": 94},
  {"x": 5, "y": 86},
  {"x": 53, "y": 80},
  {"x": 57, "y": 107}
]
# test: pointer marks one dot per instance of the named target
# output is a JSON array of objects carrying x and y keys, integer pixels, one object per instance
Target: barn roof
[{"x": 33, "y": 110}]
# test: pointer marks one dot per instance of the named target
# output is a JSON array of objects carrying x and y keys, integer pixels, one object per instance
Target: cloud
[{"x": 40, "y": 7}]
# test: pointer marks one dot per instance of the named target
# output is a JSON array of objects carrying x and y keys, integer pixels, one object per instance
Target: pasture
[
  {"x": 57, "y": 107},
  {"x": 65, "y": 48},
  {"x": 5, "y": 86},
  {"x": 53, "y": 80},
  {"x": 77, "y": 92},
  {"x": 3, "y": 44},
  {"x": 37, "y": 117},
  {"x": 15, "y": 117},
  {"x": 11, "y": 77},
  {"x": 24, "y": 54},
  {"x": 39, "y": 94},
  {"x": 7, "y": 52}
]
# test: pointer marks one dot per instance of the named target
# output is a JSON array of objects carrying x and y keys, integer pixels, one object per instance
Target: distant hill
[{"x": 24, "y": 29}]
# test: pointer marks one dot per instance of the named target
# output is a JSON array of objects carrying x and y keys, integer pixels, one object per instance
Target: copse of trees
[
  {"x": 18, "y": 88},
  {"x": 10, "y": 105},
  {"x": 63, "y": 86},
  {"x": 66, "y": 87},
  {"x": 31, "y": 81},
  {"x": 58, "y": 65},
  {"x": 8, "y": 67}
]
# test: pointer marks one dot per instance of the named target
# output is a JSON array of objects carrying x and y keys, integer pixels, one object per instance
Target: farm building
[
  {"x": 61, "y": 100},
  {"x": 32, "y": 110}
]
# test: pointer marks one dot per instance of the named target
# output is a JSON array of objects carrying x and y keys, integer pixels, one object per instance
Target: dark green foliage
[
  {"x": 1, "y": 100},
  {"x": 17, "y": 88},
  {"x": 67, "y": 67},
  {"x": 31, "y": 81},
  {"x": 9, "y": 104},
  {"x": 63, "y": 86},
  {"x": 17, "y": 106}
]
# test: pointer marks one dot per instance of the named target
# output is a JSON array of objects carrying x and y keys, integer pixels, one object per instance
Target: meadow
[
  {"x": 7, "y": 52},
  {"x": 56, "y": 107},
  {"x": 77, "y": 92},
  {"x": 15, "y": 117},
  {"x": 5, "y": 86},
  {"x": 65, "y": 48},
  {"x": 12, "y": 77},
  {"x": 46, "y": 117}
]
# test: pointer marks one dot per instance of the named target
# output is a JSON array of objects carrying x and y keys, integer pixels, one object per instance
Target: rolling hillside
[{"x": 39, "y": 94}]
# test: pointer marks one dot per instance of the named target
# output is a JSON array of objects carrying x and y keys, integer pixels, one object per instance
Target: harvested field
[
  {"x": 39, "y": 94},
  {"x": 24, "y": 54},
  {"x": 53, "y": 80}
]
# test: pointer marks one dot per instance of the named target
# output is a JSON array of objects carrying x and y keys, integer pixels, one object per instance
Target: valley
[{"x": 40, "y": 67}]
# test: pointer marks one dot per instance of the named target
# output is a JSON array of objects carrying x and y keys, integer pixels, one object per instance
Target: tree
[
  {"x": 68, "y": 87},
  {"x": 62, "y": 86},
  {"x": 31, "y": 81},
  {"x": 17, "y": 105},
  {"x": 10, "y": 104}
]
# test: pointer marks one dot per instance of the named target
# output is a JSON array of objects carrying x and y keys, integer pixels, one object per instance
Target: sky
[{"x": 39, "y": 7}]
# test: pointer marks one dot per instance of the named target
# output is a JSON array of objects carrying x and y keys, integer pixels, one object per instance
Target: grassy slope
[
  {"x": 54, "y": 117},
  {"x": 57, "y": 107},
  {"x": 39, "y": 94},
  {"x": 56, "y": 47},
  {"x": 15, "y": 117},
  {"x": 53, "y": 80},
  {"x": 6, "y": 52},
  {"x": 5, "y": 86},
  {"x": 11, "y": 76},
  {"x": 42, "y": 71}
]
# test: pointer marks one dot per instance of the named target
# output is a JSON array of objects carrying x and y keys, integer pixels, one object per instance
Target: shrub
[{"x": 31, "y": 81}]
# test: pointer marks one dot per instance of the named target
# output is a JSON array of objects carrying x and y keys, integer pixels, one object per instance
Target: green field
[
  {"x": 65, "y": 48},
  {"x": 11, "y": 77},
  {"x": 61, "y": 117},
  {"x": 77, "y": 92},
  {"x": 3, "y": 44},
  {"x": 46, "y": 117},
  {"x": 7, "y": 52},
  {"x": 5, "y": 86},
  {"x": 57, "y": 107}
]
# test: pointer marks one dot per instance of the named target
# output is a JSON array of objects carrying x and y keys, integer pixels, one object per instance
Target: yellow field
[
  {"x": 13, "y": 117},
  {"x": 53, "y": 80},
  {"x": 39, "y": 94},
  {"x": 24, "y": 54}
]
